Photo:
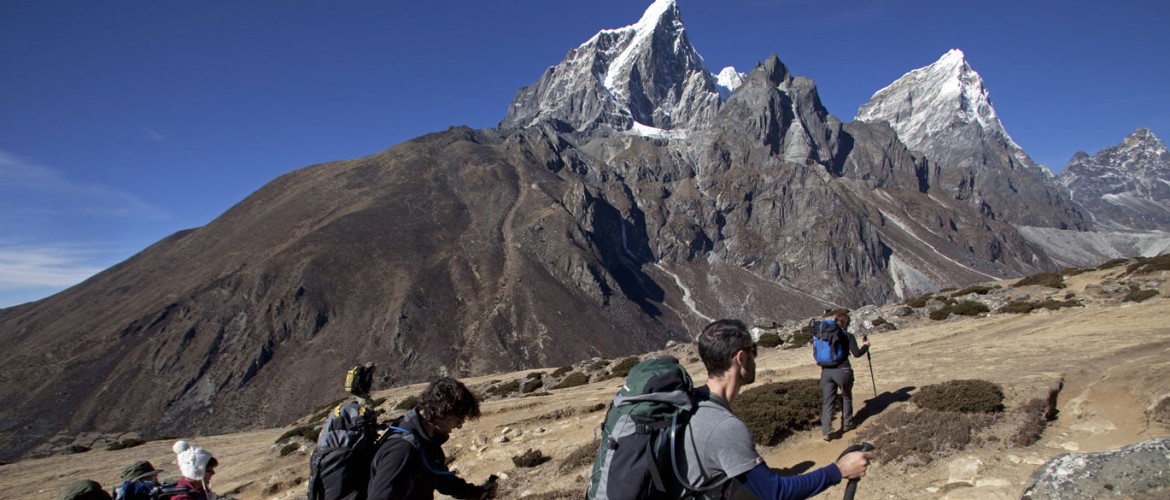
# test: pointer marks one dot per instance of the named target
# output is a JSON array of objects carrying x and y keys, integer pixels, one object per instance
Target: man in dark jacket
[
  {"x": 410, "y": 464},
  {"x": 840, "y": 375}
]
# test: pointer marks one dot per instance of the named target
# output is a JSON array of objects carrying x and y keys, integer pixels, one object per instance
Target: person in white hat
[{"x": 197, "y": 466}]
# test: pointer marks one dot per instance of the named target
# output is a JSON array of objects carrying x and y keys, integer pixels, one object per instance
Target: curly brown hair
[{"x": 447, "y": 397}]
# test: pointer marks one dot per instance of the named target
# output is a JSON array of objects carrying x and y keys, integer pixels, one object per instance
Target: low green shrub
[
  {"x": 770, "y": 340},
  {"x": 561, "y": 371},
  {"x": 1050, "y": 280},
  {"x": 775, "y": 411},
  {"x": 1139, "y": 295},
  {"x": 125, "y": 443},
  {"x": 305, "y": 431},
  {"x": 378, "y": 402},
  {"x": 1037, "y": 412},
  {"x": 504, "y": 388},
  {"x": 964, "y": 308},
  {"x": 622, "y": 368},
  {"x": 1073, "y": 271},
  {"x": 289, "y": 448},
  {"x": 74, "y": 449},
  {"x": 530, "y": 458},
  {"x": 1160, "y": 411},
  {"x": 1024, "y": 307},
  {"x": 1053, "y": 305},
  {"x": 920, "y": 301},
  {"x": 579, "y": 458},
  {"x": 916, "y": 438},
  {"x": 976, "y": 289},
  {"x": 530, "y": 385},
  {"x": 963, "y": 396},
  {"x": 1112, "y": 264},
  {"x": 407, "y": 403},
  {"x": 599, "y": 364},
  {"x": 1018, "y": 307},
  {"x": 1145, "y": 265},
  {"x": 573, "y": 380}
]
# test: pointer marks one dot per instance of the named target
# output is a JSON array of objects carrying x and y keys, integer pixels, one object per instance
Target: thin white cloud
[
  {"x": 45, "y": 190},
  {"x": 151, "y": 134},
  {"x": 62, "y": 265}
]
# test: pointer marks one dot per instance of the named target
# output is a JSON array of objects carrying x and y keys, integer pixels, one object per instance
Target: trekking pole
[
  {"x": 870, "y": 361},
  {"x": 851, "y": 488}
]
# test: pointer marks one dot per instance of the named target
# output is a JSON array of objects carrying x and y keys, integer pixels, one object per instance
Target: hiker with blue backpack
[
  {"x": 409, "y": 462},
  {"x": 832, "y": 344}
]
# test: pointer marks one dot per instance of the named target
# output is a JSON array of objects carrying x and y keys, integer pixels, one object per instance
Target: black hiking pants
[{"x": 831, "y": 379}]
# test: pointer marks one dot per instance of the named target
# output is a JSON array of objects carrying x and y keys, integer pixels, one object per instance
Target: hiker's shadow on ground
[
  {"x": 799, "y": 468},
  {"x": 873, "y": 407}
]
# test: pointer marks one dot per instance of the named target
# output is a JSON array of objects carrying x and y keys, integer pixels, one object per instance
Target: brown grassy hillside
[{"x": 1110, "y": 360}]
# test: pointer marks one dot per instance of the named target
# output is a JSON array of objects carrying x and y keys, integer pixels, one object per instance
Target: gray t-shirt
[{"x": 718, "y": 445}]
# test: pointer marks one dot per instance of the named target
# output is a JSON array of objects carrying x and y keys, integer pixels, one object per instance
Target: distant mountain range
[{"x": 627, "y": 197}]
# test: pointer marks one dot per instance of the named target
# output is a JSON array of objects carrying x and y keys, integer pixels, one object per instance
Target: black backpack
[
  {"x": 340, "y": 465},
  {"x": 639, "y": 456}
]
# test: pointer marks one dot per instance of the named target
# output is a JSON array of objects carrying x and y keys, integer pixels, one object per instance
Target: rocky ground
[{"x": 1110, "y": 360}]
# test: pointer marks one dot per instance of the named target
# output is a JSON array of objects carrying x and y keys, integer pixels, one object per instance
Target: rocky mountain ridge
[{"x": 1123, "y": 186}]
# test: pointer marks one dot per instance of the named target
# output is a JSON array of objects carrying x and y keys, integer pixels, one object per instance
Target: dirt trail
[{"x": 1113, "y": 361}]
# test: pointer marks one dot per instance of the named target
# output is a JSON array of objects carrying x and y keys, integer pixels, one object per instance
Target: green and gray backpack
[{"x": 637, "y": 458}]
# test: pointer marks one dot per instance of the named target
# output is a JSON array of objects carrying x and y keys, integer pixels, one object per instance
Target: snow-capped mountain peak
[
  {"x": 646, "y": 73},
  {"x": 934, "y": 98}
]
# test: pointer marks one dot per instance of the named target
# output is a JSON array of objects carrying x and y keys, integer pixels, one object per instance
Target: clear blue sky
[{"x": 122, "y": 122}]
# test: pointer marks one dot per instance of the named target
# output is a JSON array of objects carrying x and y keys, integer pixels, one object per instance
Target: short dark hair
[
  {"x": 842, "y": 317},
  {"x": 720, "y": 341},
  {"x": 448, "y": 397}
]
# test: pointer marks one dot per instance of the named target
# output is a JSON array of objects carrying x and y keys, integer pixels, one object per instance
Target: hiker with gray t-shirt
[{"x": 719, "y": 445}]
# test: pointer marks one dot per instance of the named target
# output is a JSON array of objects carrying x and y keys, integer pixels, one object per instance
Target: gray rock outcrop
[{"x": 1138, "y": 471}]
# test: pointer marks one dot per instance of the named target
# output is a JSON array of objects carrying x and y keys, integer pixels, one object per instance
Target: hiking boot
[
  {"x": 846, "y": 428},
  {"x": 827, "y": 437}
]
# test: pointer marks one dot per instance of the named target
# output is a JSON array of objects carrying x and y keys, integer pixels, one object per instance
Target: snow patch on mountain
[{"x": 728, "y": 80}]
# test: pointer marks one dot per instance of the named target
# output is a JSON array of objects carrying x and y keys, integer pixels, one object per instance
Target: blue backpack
[
  {"x": 147, "y": 490},
  {"x": 829, "y": 346}
]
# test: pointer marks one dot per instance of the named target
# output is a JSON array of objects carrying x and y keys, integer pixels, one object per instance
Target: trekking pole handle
[{"x": 851, "y": 488}]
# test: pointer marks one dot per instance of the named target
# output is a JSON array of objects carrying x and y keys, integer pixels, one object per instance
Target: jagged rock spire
[{"x": 646, "y": 73}]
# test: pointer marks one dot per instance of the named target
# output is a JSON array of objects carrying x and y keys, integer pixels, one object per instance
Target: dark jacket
[{"x": 411, "y": 465}]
